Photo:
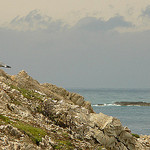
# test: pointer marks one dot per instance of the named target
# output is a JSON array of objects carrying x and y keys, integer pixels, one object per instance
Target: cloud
[
  {"x": 146, "y": 12},
  {"x": 35, "y": 21},
  {"x": 94, "y": 24}
]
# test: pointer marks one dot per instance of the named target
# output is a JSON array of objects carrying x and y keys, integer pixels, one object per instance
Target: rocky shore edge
[{"x": 39, "y": 116}]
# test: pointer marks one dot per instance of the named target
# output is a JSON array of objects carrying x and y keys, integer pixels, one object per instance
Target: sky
[{"x": 78, "y": 44}]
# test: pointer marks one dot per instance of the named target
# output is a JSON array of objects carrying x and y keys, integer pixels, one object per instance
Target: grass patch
[
  {"x": 29, "y": 94},
  {"x": 35, "y": 133},
  {"x": 4, "y": 119},
  {"x": 135, "y": 135}
]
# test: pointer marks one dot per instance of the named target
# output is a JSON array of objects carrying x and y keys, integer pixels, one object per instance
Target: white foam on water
[{"x": 102, "y": 105}]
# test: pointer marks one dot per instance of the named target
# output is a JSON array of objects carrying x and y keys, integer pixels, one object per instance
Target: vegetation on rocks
[
  {"x": 34, "y": 133},
  {"x": 4, "y": 119},
  {"x": 136, "y": 135},
  {"x": 29, "y": 94}
]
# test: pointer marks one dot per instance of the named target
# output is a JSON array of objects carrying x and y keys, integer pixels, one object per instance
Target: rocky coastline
[{"x": 46, "y": 117}]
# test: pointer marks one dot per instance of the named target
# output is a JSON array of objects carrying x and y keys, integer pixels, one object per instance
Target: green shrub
[{"x": 135, "y": 135}]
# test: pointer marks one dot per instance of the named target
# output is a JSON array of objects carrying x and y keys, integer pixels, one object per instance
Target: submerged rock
[
  {"x": 132, "y": 103},
  {"x": 44, "y": 116}
]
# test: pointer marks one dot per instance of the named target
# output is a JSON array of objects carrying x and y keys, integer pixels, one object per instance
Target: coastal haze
[{"x": 78, "y": 44}]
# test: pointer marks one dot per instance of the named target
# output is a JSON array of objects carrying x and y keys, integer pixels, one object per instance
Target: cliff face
[{"x": 44, "y": 116}]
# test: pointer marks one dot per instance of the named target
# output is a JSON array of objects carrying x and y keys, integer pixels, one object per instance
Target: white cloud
[
  {"x": 146, "y": 12},
  {"x": 94, "y": 24},
  {"x": 35, "y": 21},
  {"x": 70, "y": 11}
]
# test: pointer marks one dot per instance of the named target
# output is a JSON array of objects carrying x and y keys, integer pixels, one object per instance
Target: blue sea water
[{"x": 136, "y": 118}]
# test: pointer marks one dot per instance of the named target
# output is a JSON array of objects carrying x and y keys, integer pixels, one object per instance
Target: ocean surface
[{"x": 136, "y": 118}]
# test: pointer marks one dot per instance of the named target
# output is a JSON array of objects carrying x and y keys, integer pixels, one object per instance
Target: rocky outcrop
[
  {"x": 44, "y": 116},
  {"x": 23, "y": 80},
  {"x": 132, "y": 103}
]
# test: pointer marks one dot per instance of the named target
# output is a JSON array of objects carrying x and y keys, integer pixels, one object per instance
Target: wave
[
  {"x": 99, "y": 105},
  {"x": 104, "y": 105}
]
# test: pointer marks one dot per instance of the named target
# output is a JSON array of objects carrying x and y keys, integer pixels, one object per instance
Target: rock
[
  {"x": 132, "y": 103},
  {"x": 74, "y": 97},
  {"x": 43, "y": 116},
  {"x": 110, "y": 125}
]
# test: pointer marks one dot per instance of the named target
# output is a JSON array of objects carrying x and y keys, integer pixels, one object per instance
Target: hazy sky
[{"x": 89, "y": 44}]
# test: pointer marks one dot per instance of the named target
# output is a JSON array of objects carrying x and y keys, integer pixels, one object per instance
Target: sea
[{"x": 136, "y": 118}]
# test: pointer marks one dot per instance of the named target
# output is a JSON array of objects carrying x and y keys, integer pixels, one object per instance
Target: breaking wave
[{"x": 103, "y": 105}]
